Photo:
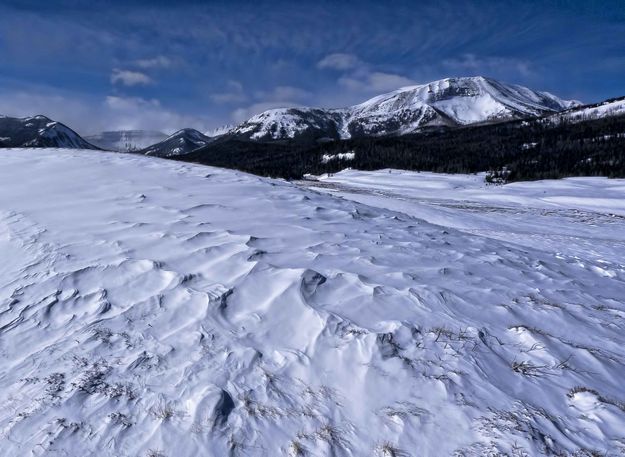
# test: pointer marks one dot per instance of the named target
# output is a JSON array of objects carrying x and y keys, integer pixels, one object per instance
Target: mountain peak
[
  {"x": 186, "y": 132},
  {"x": 450, "y": 102},
  {"x": 179, "y": 143}
]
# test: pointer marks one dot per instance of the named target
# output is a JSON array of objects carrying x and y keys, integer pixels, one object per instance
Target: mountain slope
[
  {"x": 39, "y": 132},
  {"x": 181, "y": 310},
  {"x": 126, "y": 140},
  {"x": 448, "y": 102},
  {"x": 181, "y": 142},
  {"x": 607, "y": 108}
]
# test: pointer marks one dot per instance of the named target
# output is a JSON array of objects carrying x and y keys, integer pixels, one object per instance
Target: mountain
[
  {"x": 126, "y": 140},
  {"x": 39, "y": 132},
  {"x": 181, "y": 142},
  {"x": 585, "y": 141},
  {"x": 608, "y": 108},
  {"x": 448, "y": 102}
]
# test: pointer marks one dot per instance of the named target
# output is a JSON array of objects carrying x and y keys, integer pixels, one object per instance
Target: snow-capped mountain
[
  {"x": 447, "y": 102},
  {"x": 181, "y": 142},
  {"x": 126, "y": 140},
  {"x": 37, "y": 132}
]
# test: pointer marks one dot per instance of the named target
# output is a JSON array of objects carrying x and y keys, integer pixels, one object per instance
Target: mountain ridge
[{"x": 447, "y": 102}]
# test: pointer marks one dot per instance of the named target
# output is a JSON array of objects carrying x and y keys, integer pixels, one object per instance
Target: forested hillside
[{"x": 529, "y": 150}]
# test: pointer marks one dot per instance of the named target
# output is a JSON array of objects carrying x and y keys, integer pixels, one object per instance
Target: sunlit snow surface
[{"x": 154, "y": 308}]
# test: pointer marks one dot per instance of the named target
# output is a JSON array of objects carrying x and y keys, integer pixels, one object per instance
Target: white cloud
[
  {"x": 375, "y": 82},
  {"x": 129, "y": 113},
  {"x": 359, "y": 76},
  {"x": 278, "y": 97},
  {"x": 93, "y": 115},
  {"x": 155, "y": 62},
  {"x": 129, "y": 78},
  {"x": 340, "y": 61},
  {"x": 64, "y": 109}
]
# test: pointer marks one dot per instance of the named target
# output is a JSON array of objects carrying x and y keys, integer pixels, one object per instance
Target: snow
[
  {"x": 151, "y": 307},
  {"x": 608, "y": 108},
  {"x": 219, "y": 131},
  {"x": 464, "y": 100},
  {"x": 559, "y": 216},
  {"x": 456, "y": 101},
  {"x": 325, "y": 158},
  {"x": 276, "y": 123},
  {"x": 181, "y": 142}
]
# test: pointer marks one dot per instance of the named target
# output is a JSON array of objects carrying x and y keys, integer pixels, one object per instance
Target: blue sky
[{"x": 99, "y": 65}]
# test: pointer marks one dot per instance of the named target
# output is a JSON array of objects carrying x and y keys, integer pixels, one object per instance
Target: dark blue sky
[{"x": 165, "y": 65}]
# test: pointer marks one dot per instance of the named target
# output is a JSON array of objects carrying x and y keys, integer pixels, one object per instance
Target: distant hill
[
  {"x": 39, "y": 132},
  {"x": 181, "y": 142}
]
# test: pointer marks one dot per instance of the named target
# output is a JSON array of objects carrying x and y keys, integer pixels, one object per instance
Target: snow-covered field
[
  {"x": 154, "y": 308},
  {"x": 573, "y": 217}
]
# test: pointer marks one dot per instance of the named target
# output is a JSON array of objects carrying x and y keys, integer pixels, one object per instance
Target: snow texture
[{"x": 156, "y": 308}]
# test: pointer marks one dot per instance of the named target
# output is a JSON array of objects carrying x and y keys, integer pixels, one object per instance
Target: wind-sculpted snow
[{"x": 153, "y": 308}]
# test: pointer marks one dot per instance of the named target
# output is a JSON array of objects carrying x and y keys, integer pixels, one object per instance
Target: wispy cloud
[
  {"x": 88, "y": 116},
  {"x": 154, "y": 62},
  {"x": 127, "y": 113},
  {"x": 130, "y": 78},
  {"x": 283, "y": 93},
  {"x": 277, "y": 97},
  {"x": 487, "y": 65},
  {"x": 233, "y": 93},
  {"x": 361, "y": 77},
  {"x": 340, "y": 61},
  {"x": 375, "y": 82},
  {"x": 339, "y": 55}
]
